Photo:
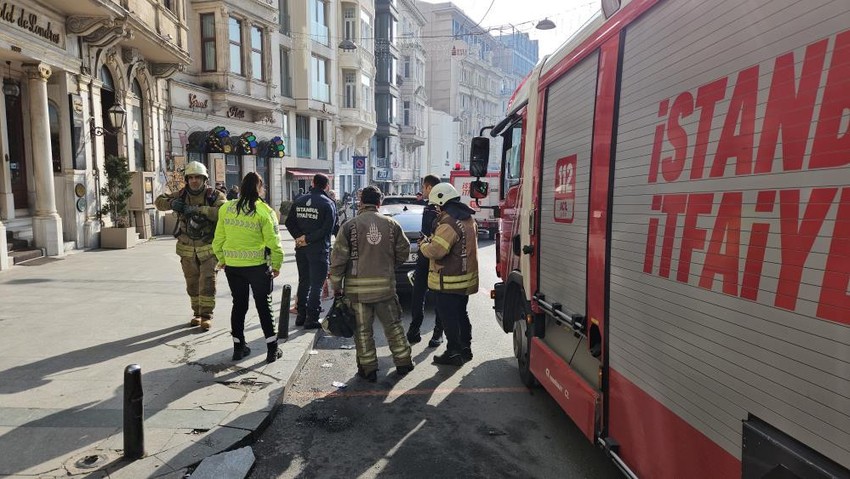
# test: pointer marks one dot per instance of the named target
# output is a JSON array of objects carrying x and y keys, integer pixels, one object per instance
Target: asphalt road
[{"x": 474, "y": 421}]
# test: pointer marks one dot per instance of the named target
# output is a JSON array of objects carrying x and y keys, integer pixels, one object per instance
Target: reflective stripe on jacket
[
  {"x": 363, "y": 265},
  {"x": 241, "y": 239},
  {"x": 453, "y": 254}
]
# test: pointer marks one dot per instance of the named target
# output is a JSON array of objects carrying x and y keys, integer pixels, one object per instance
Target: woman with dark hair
[{"x": 247, "y": 246}]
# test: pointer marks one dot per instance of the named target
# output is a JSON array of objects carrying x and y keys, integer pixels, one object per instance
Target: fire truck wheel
[{"x": 522, "y": 343}]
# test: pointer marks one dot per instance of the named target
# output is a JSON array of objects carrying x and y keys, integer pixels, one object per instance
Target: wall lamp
[
  {"x": 347, "y": 45},
  {"x": 117, "y": 114}
]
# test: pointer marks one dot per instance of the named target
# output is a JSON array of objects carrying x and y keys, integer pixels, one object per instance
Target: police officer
[
  {"x": 366, "y": 253},
  {"x": 311, "y": 221},
  {"x": 196, "y": 205},
  {"x": 453, "y": 270},
  {"x": 420, "y": 277}
]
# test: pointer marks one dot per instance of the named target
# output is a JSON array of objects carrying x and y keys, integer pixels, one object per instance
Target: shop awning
[{"x": 308, "y": 174}]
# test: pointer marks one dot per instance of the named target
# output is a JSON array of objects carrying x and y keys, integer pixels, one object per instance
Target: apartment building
[
  {"x": 385, "y": 144},
  {"x": 413, "y": 123},
  {"x": 464, "y": 77},
  {"x": 67, "y": 68},
  {"x": 225, "y": 106},
  {"x": 355, "y": 124}
]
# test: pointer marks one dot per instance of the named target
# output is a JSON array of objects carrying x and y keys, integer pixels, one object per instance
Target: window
[
  {"x": 350, "y": 91},
  {"x": 406, "y": 67},
  {"x": 138, "y": 128},
  {"x": 285, "y": 79},
  {"x": 321, "y": 90},
  {"x": 513, "y": 160},
  {"x": 302, "y": 136},
  {"x": 208, "y": 42},
  {"x": 366, "y": 32},
  {"x": 257, "y": 54},
  {"x": 407, "y": 113},
  {"x": 319, "y": 21},
  {"x": 321, "y": 142},
  {"x": 283, "y": 9},
  {"x": 232, "y": 169},
  {"x": 349, "y": 15},
  {"x": 366, "y": 95},
  {"x": 235, "y": 36}
]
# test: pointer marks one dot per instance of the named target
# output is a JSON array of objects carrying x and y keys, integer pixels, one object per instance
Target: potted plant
[{"x": 117, "y": 191}]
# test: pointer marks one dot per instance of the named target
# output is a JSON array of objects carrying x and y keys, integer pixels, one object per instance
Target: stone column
[{"x": 46, "y": 224}]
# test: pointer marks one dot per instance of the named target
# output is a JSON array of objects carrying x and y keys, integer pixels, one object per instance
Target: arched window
[
  {"x": 138, "y": 127},
  {"x": 55, "y": 143}
]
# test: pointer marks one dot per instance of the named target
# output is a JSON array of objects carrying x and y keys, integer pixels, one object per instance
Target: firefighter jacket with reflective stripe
[
  {"x": 208, "y": 202},
  {"x": 453, "y": 254},
  {"x": 241, "y": 239},
  {"x": 368, "y": 249}
]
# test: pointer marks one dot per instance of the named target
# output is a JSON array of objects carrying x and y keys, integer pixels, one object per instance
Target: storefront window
[{"x": 55, "y": 144}]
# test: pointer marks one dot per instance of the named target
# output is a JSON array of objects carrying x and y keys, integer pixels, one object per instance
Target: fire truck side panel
[
  {"x": 565, "y": 186},
  {"x": 730, "y": 228}
]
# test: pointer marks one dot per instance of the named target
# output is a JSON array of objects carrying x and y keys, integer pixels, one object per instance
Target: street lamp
[
  {"x": 117, "y": 114},
  {"x": 545, "y": 24},
  {"x": 10, "y": 86},
  {"x": 347, "y": 45}
]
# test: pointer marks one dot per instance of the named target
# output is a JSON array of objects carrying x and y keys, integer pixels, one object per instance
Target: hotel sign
[{"x": 29, "y": 21}]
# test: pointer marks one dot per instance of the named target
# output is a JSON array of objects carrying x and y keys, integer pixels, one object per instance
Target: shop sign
[
  {"x": 234, "y": 112},
  {"x": 17, "y": 15},
  {"x": 195, "y": 102}
]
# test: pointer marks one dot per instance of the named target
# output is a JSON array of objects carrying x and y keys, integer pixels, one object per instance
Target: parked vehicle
[
  {"x": 674, "y": 246},
  {"x": 399, "y": 200},
  {"x": 409, "y": 216},
  {"x": 488, "y": 223}
]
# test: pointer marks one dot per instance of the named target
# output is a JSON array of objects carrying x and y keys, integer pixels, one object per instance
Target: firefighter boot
[
  {"x": 449, "y": 358},
  {"x": 274, "y": 353},
  {"x": 196, "y": 321},
  {"x": 206, "y": 323},
  {"x": 240, "y": 349}
]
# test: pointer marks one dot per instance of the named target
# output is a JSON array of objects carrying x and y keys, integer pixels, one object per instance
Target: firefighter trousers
[
  {"x": 389, "y": 314},
  {"x": 200, "y": 283}
]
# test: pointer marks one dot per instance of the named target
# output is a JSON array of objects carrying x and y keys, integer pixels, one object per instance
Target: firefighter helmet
[
  {"x": 442, "y": 193},
  {"x": 195, "y": 168}
]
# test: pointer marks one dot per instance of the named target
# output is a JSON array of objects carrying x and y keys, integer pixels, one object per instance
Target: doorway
[{"x": 17, "y": 153}]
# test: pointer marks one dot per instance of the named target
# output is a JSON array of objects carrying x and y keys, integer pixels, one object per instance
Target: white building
[{"x": 408, "y": 168}]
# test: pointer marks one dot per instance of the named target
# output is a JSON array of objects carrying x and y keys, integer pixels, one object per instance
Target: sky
[{"x": 523, "y": 15}]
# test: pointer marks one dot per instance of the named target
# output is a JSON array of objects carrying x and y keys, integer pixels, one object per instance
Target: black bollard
[
  {"x": 134, "y": 411},
  {"x": 283, "y": 319}
]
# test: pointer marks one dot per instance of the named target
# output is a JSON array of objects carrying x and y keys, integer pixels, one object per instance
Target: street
[{"x": 473, "y": 421}]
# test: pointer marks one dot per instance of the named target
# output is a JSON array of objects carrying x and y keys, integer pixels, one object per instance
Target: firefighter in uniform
[
  {"x": 453, "y": 270},
  {"x": 366, "y": 253},
  {"x": 196, "y": 205},
  {"x": 310, "y": 222}
]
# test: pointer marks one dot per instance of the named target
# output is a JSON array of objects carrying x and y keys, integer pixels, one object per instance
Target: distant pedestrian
[
  {"x": 233, "y": 192},
  {"x": 196, "y": 205},
  {"x": 310, "y": 222},
  {"x": 247, "y": 246},
  {"x": 220, "y": 187},
  {"x": 365, "y": 255},
  {"x": 420, "y": 275},
  {"x": 453, "y": 270}
]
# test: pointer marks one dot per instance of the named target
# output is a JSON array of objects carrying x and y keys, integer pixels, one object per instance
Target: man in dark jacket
[
  {"x": 311, "y": 221},
  {"x": 420, "y": 276}
]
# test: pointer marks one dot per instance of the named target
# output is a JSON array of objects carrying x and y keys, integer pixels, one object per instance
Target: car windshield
[
  {"x": 399, "y": 200},
  {"x": 408, "y": 216}
]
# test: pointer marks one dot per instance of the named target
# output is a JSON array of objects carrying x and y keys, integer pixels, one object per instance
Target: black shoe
[
  {"x": 435, "y": 341},
  {"x": 404, "y": 370},
  {"x": 312, "y": 325},
  {"x": 299, "y": 320},
  {"x": 466, "y": 354},
  {"x": 372, "y": 377},
  {"x": 449, "y": 359},
  {"x": 274, "y": 353},
  {"x": 240, "y": 350},
  {"x": 413, "y": 336}
]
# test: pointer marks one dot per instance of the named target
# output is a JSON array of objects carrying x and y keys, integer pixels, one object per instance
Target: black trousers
[
  {"x": 312, "y": 273},
  {"x": 242, "y": 281},
  {"x": 418, "y": 296},
  {"x": 451, "y": 309}
]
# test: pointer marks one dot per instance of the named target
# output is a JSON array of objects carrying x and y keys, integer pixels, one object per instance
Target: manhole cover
[{"x": 90, "y": 461}]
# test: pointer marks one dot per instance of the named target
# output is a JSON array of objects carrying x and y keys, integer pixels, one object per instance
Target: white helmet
[
  {"x": 195, "y": 168},
  {"x": 441, "y": 193}
]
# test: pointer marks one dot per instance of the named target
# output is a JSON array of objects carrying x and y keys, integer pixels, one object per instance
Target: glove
[
  {"x": 189, "y": 210},
  {"x": 178, "y": 205}
]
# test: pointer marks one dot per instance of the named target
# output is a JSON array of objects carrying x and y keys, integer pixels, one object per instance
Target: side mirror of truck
[
  {"x": 479, "y": 156},
  {"x": 478, "y": 189}
]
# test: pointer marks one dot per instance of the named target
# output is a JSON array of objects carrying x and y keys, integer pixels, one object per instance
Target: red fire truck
[{"x": 674, "y": 247}]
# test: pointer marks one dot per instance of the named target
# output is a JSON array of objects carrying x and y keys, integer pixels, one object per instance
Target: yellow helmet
[
  {"x": 441, "y": 193},
  {"x": 195, "y": 168}
]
